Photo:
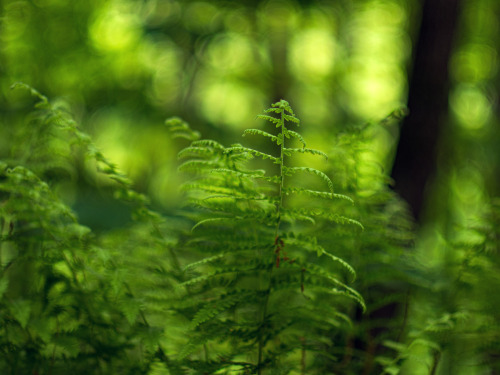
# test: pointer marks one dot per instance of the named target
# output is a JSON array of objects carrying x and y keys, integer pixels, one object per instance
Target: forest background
[{"x": 349, "y": 69}]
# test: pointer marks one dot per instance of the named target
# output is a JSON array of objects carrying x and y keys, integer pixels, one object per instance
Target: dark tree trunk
[
  {"x": 416, "y": 158},
  {"x": 415, "y": 162}
]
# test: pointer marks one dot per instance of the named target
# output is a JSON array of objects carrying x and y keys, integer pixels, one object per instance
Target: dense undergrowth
[{"x": 267, "y": 270}]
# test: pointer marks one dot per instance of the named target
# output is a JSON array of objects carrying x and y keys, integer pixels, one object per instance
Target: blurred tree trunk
[
  {"x": 416, "y": 157},
  {"x": 280, "y": 75},
  {"x": 415, "y": 161}
]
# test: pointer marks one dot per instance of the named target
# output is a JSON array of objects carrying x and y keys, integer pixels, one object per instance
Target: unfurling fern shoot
[{"x": 260, "y": 296}]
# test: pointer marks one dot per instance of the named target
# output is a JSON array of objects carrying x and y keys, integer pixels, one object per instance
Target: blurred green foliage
[
  {"x": 115, "y": 69},
  {"x": 126, "y": 65}
]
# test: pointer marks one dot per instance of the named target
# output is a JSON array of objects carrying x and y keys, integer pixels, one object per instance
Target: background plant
[{"x": 66, "y": 300}]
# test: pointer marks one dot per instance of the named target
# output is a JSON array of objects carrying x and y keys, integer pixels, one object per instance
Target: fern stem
[
  {"x": 205, "y": 352},
  {"x": 435, "y": 363},
  {"x": 282, "y": 177},
  {"x": 279, "y": 205},
  {"x": 405, "y": 315},
  {"x": 263, "y": 319},
  {"x": 303, "y": 357}
]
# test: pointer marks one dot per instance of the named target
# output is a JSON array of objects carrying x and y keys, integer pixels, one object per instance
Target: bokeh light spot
[
  {"x": 312, "y": 54},
  {"x": 116, "y": 28},
  {"x": 229, "y": 103},
  {"x": 470, "y": 106},
  {"x": 230, "y": 52},
  {"x": 201, "y": 16},
  {"x": 474, "y": 63}
]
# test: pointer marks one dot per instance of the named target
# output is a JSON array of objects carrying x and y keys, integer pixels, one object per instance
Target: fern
[
  {"x": 254, "y": 257},
  {"x": 66, "y": 300},
  {"x": 256, "y": 277}
]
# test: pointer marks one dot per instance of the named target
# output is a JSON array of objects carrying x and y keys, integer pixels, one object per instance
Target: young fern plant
[{"x": 259, "y": 296}]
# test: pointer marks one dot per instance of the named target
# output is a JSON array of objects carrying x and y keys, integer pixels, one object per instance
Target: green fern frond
[
  {"x": 291, "y": 119},
  {"x": 316, "y": 271},
  {"x": 197, "y": 165},
  {"x": 342, "y": 262},
  {"x": 260, "y": 132},
  {"x": 180, "y": 129},
  {"x": 237, "y": 197},
  {"x": 274, "y": 120},
  {"x": 297, "y": 136},
  {"x": 207, "y": 185},
  {"x": 233, "y": 242},
  {"x": 283, "y": 105},
  {"x": 244, "y": 258},
  {"x": 217, "y": 220},
  {"x": 341, "y": 219},
  {"x": 208, "y": 143},
  {"x": 290, "y": 151},
  {"x": 223, "y": 255},
  {"x": 289, "y": 171},
  {"x": 349, "y": 293},
  {"x": 195, "y": 151},
  {"x": 44, "y": 101},
  {"x": 271, "y": 179},
  {"x": 262, "y": 155},
  {"x": 233, "y": 216},
  {"x": 275, "y": 110},
  {"x": 318, "y": 194},
  {"x": 239, "y": 173},
  {"x": 224, "y": 302},
  {"x": 205, "y": 261},
  {"x": 292, "y": 215},
  {"x": 249, "y": 268},
  {"x": 309, "y": 243}
]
